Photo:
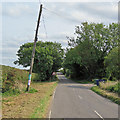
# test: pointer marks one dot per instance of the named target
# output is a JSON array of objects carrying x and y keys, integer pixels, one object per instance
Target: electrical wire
[
  {"x": 43, "y": 19},
  {"x": 57, "y": 13}
]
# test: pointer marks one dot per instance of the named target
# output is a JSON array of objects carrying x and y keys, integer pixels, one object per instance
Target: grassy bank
[
  {"x": 14, "y": 80},
  {"x": 16, "y": 103},
  {"x": 109, "y": 90},
  {"x": 31, "y": 104}
]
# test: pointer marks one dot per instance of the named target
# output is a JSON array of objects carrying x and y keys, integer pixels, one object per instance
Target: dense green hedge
[{"x": 15, "y": 79}]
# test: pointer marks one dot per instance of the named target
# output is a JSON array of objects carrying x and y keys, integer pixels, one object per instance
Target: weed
[
  {"x": 11, "y": 92},
  {"x": 32, "y": 90}
]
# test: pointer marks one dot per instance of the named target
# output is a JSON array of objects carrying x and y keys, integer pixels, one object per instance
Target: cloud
[
  {"x": 17, "y": 10},
  {"x": 106, "y": 10},
  {"x": 79, "y": 12},
  {"x": 94, "y": 12}
]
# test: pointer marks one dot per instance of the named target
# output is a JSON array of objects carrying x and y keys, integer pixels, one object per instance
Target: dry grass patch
[
  {"x": 107, "y": 84},
  {"x": 25, "y": 104}
]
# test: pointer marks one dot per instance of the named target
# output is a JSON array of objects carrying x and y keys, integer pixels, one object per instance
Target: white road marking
[
  {"x": 80, "y": 97},
  {"x": 49, "y": 114},
  {"x": 99, "y": 115},
  {"x": 54, "y": 94},
  {"x": 52, "y": 100}
]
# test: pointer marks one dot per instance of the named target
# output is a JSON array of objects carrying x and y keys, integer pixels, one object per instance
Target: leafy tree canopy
[
  {"x": 85, "y": 56},
  {"x": 112, "y": 64},
  {"x": 48, "y": 58}
]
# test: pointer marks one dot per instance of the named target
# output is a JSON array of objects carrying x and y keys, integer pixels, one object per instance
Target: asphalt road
[{"x": 73, "y": 100}]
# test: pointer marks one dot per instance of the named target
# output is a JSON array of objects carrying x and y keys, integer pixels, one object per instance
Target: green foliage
[
  {"x": 67, "y": 72},
  {"x": 48, "y": 58},
  {"x": 113, "y": 88},
  {"x": 14, "y": 80},
  {"x": 93, "y": 42},
  {"x": 112, "y": 64},
  {"x": 54, "y": 78},
  {"x": 32, "y": 90},
  {"x": 11, "y": 92}
]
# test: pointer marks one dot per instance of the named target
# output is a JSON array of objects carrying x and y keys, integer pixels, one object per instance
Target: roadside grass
[
  {"x": 32, "y": 90},
  {"x": 107, "y": 84},
  {"x": 110, "y": 95},
  {"x": 41, "y": 110},
  {"x": 32, "y": 104},
  {"x": 11, "y": 92},
  {"x": 111, "y": 86}
]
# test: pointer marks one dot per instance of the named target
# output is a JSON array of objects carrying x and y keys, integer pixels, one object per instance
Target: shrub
[{"x": 111, "y": 86}]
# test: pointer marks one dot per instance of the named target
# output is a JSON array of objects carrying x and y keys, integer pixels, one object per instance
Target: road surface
[{"x": 73, "y": 100}]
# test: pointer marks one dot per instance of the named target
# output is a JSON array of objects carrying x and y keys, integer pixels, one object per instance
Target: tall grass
[{"x": 111, "y": 86}]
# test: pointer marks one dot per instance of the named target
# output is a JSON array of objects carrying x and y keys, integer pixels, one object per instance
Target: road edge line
[
  {"x": 49, "y": 114},
  {"x": 52, "y": 102}
]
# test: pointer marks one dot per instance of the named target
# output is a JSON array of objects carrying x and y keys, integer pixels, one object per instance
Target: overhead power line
[
  {"x": 43, "y": 19},
  {"x": 60, "y": 15}
]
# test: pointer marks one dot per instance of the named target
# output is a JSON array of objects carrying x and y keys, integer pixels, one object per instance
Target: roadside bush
[
  {"x": 67, "y": 72},
  {"x": 112, "y": 64},
  {"x": 111, "y": 86}
]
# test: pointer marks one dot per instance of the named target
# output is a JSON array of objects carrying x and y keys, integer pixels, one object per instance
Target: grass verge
[
  {"x": 41, "y": 110},
  {"x": 32, "y": 104},
  {"x": 112, "y": 96}
]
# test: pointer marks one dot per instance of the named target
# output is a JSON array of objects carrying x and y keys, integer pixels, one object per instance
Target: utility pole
[{"x": 33, "y": 52}]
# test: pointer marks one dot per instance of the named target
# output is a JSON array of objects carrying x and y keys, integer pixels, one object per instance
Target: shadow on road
[{"x": 80, "y": 86}]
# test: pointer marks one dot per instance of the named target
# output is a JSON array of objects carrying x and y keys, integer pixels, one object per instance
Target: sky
[{"x": 58, "y": 20}]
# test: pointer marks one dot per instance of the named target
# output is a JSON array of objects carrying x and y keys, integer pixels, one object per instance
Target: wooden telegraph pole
[{"x": 33, "y": 52}]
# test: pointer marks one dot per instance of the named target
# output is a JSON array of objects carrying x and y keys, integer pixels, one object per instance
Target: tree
[
  {"x": 112, "y": 64},
  {"x": 48, "y": 58},
  {"x": 92, "y": 43}
]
